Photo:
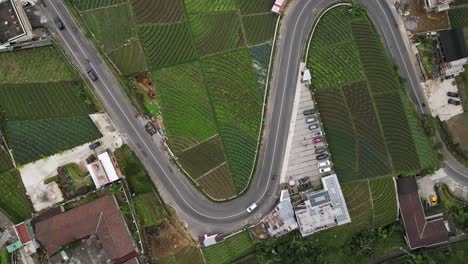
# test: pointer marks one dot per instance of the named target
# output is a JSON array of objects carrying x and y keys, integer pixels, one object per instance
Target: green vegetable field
[
  {"x": 370, "y": 124},
  {"x": 230, "y": 249},
  {"x": 13, "y": 200},
  {"x": 458, "y": 16},
  {"x": 208, "y": 63}
]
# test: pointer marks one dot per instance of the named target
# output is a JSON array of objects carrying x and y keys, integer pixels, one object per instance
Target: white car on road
[{"x": 251, "y": 207}]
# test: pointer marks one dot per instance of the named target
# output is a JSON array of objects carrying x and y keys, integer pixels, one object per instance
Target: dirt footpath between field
[{"x": 34, "y": 174}]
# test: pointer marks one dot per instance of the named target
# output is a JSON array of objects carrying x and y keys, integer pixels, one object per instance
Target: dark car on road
[
  {"x": 453, "y": 101},
  {"x": 58, "y": 23},
  {"x": 92, "y": 75},
  {"x": 452, "y": 94},
  {"x": 95, "y": 145},
  {"x": 322, "y": 156},
  {"x": 320, "y": 150},
  {"x": 309, "y": 112}
]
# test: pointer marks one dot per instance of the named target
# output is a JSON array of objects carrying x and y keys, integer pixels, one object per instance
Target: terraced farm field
[
  {"x": 209, "y": 6},
  {"x": 37, "y": 100},
  {"x": 232, "y": 86},
  {"x": 230, "y": 249},
  {"x": 158, "y": 11},
  {"x": 167, "y": 44},
  {"x": 379, "y": 129},
  {"x": 259, "y": 28},
  {"x": 129, "y": 59},
  {"x": 5, "y": 162},
  {"x": 458, "y": 17},
  {"x": 39, "y": 138},
  {"x": 385, "y": 210},
  {"x": 252, "y": 7},
  {"x": 218, "y": 183},
  {"x": 217, "y": 32},
  {"x": 91, "y": 4},
  {"x": 261, "y": 58},
  {"x": 110, "y": 26},
  {"x": 28, "y": 66},
  {"x": 13, "y": 200}
]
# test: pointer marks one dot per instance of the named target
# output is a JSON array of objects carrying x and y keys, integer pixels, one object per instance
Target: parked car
[
  {"x": 453, "y": 94},
  {"x": 309, "y": 112},
  {"x": 453, "y": 101},
  {"x": 58, "y": 23},
  {"x": 324, "y": 164},
  {"x": 325, "y": 170},
  {"x": 92, "y": 75},
  {"x": 317, "y": 133},
  {"x": 317, "y": 140},
  {"x": 320, "y": 150},
  {"x": 251, "y": 208},
  {"x": 95, "y": 145},
  {"x": 433, "y": 199},
  {"x": 322, "y": 156},
  {"x": 310, "y": 120},
  {"x": 313, "y": 126}
]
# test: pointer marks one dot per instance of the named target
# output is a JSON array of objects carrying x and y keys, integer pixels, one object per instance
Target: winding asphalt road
[{"x": 200, "y": 214}]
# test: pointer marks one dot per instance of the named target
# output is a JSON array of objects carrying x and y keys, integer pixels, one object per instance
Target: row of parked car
[
  {"x": 452, "y": 100},
  {"x": 322, "y": 153}
]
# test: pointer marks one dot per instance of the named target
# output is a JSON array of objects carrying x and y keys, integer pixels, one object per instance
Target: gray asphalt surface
[{"x": 200, "y": 214}]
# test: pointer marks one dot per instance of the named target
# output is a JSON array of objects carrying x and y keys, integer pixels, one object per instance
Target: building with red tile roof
[{"x": 421, "y": 231}]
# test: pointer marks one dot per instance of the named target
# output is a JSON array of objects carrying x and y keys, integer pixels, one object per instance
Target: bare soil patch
[
  {"x": 458, "y": 129},
  {"x": 167, "y": 239}
]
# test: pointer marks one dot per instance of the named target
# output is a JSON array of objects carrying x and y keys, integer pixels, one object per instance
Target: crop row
[
  {"x": 397, "y": 132},
  {"x": 217, "y": 32},
  {"x": 230, "y": 249},
  {"x": 203, "y": 157},
  {"x": 333, "y": 109},
  {"x": 371, "y": 161},
  {"x": 427, "y": 156},
  {"x": 44, "y": 64},
  {"x": 248, "y": 7},
  {"x": 167, "y": 44},
  {"x": 13, "y": 199},
  {"x": 259, "y": 28},
  {"x": 384, "y": 201},
  {"x": 334, "y": 65},
  {"x": 185, "y": 104},
  {"x": 111, "y": 26},
  {"x": 458, "y": 17},
  {"x": 260, "y": 60},
  {"x": 158, "y": 11},
  {"x": 90, "y": 4},
  {"x": 43, "y": 100},
  {"x": 232, "y": 86},
  {"x": 209, "y": 6},
  {"x": 377, "y": 67},
  {"x": 5, "y": 162},
  {"x": 334, "y": 27},
  {"x": 218, "y": 183},
  {"x": 129, "y": 59},
  {"x": 342, "y": 146},
  {"x": 36, "y": 139},
  {"x": 357, "y": 198}
]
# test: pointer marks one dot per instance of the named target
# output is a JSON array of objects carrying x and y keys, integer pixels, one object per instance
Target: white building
[{"x": 104, "y": 170}]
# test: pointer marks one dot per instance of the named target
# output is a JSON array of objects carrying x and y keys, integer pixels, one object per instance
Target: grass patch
[
  {"x": 252, "y": 7},
  {"x": 133, "y": 170},
  {"x": 5, "y": 162},
  {"x": 149, "y": 209},
  {"x": 129, "y": 59},
  {"x": 13, "y": 200},
  {"x": 4, "y": 256},
  {"x": 230, "y": 249},
  {"x": 44, "y": 64},
  {"x": 79, "y": 179},
  {"x": 39, "y": 138},
  {"x": 209, "y": 6},
  {"x": 187, "y": 255}
]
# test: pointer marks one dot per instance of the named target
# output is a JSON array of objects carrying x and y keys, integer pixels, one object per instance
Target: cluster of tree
[
  {"x": 357, "y": 9},
  {"x": 362, "y": 243},
  {"x": 295, "y": 250}
]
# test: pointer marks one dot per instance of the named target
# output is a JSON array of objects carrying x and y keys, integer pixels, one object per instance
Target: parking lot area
[{"x": 302, "y": 171}]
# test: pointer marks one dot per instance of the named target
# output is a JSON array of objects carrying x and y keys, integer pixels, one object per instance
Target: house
[
  {"x": 14, "y": 23},
  {"x": 104, "y": 170},
  {"x": 99, "y": 220},
  {"x": 206, "y": 240},
  {"x": 420, "y": 230},
  {"x": 322, "y": 209},
  {"x": 437, "y": 5},
  {"x": 453, "y": 51},
  {"x": 281, "y": 220}
]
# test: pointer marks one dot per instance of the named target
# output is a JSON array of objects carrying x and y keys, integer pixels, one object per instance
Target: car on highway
[
  {"x": 58, "y": 23},
  {"x": 317, "y": 133},
  {"x": 251, "y": 208},
  {"x": 313, "y": 126},
  {"x": 320, "y": 150},
  {"x": 310, "y": 120},
  {"x": 322, "y": 156},
  {"x": 324, "y": 164},
  {"x": 325, "y": 170},
  {"x": 309, "y": 112},
  {"x": 92, "y": 75},
  {"x": 317, "y": 140},
  {"x": 453, "y": 102},
  {"x": 453, "y": 94}
]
